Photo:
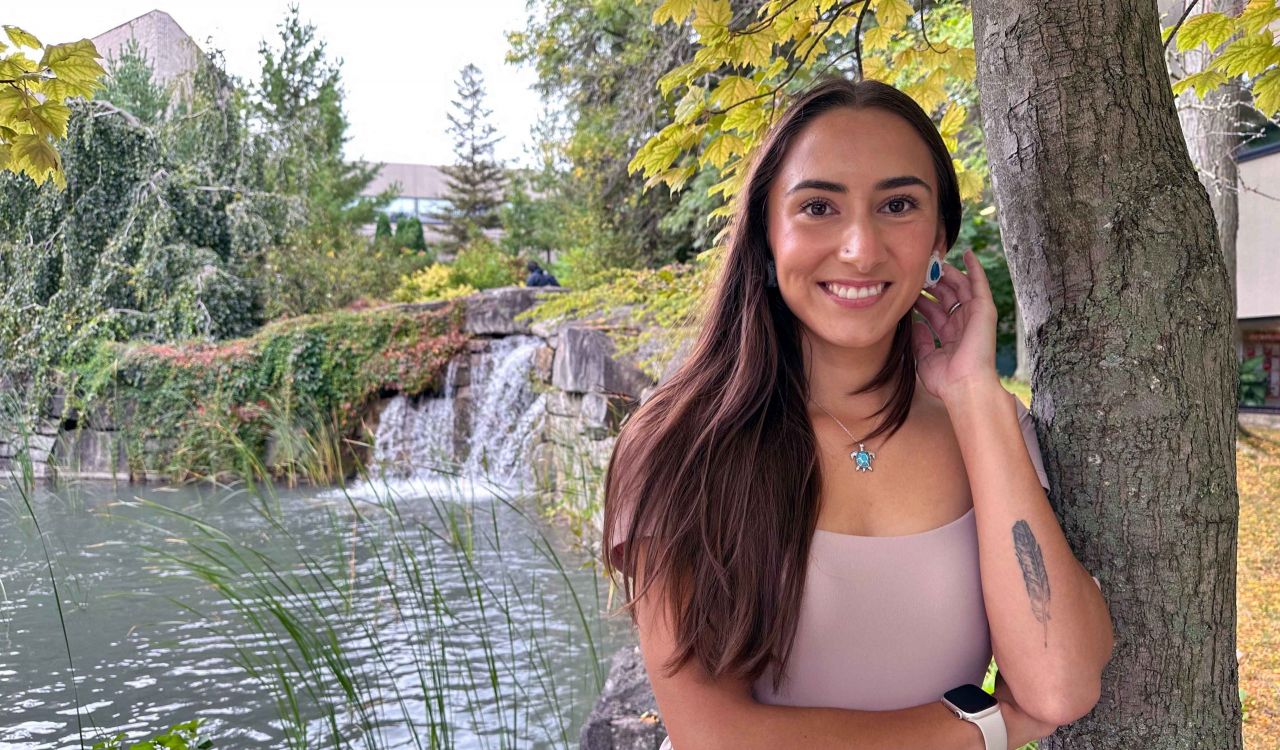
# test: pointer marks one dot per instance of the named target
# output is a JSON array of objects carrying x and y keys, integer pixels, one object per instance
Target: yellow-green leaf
[
  {"x": 52, "y": 117},
  {"x": 874, "y": 69},
  {"x": 711, "y": 19},
  {"x": 893, "y": 14},
  {"x": 1203, "y": 82},
  {"x": 970, "y": 183},
  {"x": 845, "y": 23},
  {"x": 757, "y": 49},
  {"x": 952, "y": 120},
  {"x": 33, "y": 155},
  {"x": 876, "y": 38},
  {"x": 733, "y": 89},
  {"x": 1248, "y": 55},
  {"x": 21, "y": 38},
  {"x": 722, "y": 148},
  {"x": 672, "y": 10},
  {"x": 76, "y": 65},
  {"x": 1259, "y": 15},
  {"x": 745, "y": 118},
  {"x": 1266, "y": 92},
  {"x": 693, "y": 102},
  {"x": 682, "y": 75},
  {"x": 1211, "y": 28}
]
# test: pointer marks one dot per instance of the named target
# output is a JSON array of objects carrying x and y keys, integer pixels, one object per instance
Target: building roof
[
  {"x": 171, "y": 51},
  {"x": 416, "y": 180}
]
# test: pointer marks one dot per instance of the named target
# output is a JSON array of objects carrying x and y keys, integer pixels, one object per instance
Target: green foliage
[
  {"x": 430, "y": 284},
  {"x": 530, "y": 226},
  {"x": 1242, "y": 47},
  {"x": 185, "y": 736},
  {"x": 483, "y": 265},
  {"x": 382, "y": 232},
  {"x": 195, "y": 410},
  {"x": 297, "y": 110},
  {"x": 476, "y": 182},
  {"x": 315, "y": 271},
  {"x": 409, "y": 234},
  {"x": 34, "y": 98},
  {"x": 130, "y": 86},
  {"x": 1252, "y": 382},
  {"x": 153, "y": 238},
  {"x": 650, "y": 310},
  {"x": 599, "y": 62}
]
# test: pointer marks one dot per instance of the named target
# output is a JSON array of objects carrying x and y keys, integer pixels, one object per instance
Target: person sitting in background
[{"x": 539, "y": 277}]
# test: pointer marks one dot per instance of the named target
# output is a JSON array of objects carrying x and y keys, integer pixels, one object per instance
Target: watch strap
[{"x": 993, "y": 730}]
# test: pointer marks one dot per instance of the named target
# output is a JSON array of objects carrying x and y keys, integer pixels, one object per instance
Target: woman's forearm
[
  {"x": 769, "y": 727},
  {"x": 1050, "y": 627}
]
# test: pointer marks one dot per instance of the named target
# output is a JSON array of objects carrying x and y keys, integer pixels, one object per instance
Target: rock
[
  {"x": 584, "y": 362},
  {"x": 91, "y": 454},
  {"x": 626, "y": 715},
  {"x": 543, "y": 359},
  {"x": 492, "y": 312}
]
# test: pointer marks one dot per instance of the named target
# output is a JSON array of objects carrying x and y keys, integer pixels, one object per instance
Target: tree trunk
[
  {"x": 1126, "y": 302},
  {"x": 1211, "y": 129}
]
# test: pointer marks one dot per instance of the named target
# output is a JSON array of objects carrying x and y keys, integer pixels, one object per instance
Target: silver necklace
[{"x": 862, "y": 457}]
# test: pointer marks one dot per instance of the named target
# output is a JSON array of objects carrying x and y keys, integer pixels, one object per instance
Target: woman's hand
[
  {"x": 1020, "y": 727},
  {"x": 968, "y": 336}
]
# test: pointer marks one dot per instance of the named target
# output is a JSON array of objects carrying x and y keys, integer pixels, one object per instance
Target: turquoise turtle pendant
[{"x": 862, "y": 457}]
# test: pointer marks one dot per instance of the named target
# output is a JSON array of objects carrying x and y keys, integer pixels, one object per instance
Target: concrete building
[{"x": 173, "y": 54}]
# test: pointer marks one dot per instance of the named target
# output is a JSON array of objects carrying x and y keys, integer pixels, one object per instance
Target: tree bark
[
  {"x": 1211, "y": 129},
  {"x": 1126, "y": 302}
]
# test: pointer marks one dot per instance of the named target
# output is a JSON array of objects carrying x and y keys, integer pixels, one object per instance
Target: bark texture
[
  {"x": 1212, "y": 130},
  {"x": 1125, "y": 297}
]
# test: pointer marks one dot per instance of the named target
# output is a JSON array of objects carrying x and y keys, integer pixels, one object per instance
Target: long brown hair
[{"x": 719, "y": 467}]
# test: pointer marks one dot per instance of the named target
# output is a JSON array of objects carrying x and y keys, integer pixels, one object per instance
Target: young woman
[{"x": 826, "y": 523}]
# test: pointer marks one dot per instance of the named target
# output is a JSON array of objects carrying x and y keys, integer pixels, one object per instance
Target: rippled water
[{"x": 455, "y": 614}]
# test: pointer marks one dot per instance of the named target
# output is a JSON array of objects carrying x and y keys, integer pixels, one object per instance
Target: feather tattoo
[{"x": 1031, "y": 560}]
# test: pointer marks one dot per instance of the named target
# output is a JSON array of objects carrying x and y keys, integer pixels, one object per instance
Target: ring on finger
[{"x": 954, "y": 307}]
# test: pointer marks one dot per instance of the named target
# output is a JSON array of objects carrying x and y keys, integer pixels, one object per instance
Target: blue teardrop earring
[
  {"x": 772, "y": 281},
  {"x": 935, "y": 271}
]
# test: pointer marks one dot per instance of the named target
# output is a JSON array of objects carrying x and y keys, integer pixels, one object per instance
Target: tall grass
[{"x": 416, "y": 628}]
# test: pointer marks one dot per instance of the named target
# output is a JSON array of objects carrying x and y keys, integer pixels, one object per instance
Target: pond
[{"x": 422, "y": 614}]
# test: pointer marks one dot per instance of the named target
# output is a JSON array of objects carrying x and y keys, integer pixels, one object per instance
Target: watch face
[{"x": 970, "y": 698}]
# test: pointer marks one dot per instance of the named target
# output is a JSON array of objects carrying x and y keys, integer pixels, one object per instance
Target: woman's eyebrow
[{"x": 889, "y": 183}]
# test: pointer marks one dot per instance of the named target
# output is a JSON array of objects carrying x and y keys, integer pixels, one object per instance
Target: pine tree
[
  {"x": 476, "y": 181},
  {"x": 298, "y": 105},
  {"x": 131, "y": 85}
]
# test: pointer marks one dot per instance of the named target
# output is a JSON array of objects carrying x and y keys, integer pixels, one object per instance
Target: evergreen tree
[
  {"x": 298, "y": 108},
  {"x": 409, "y": 234},
  {"x": 131, "y": 86},
  {"x": 382, "y": 232},
  {"x": 476, "y": 182}
]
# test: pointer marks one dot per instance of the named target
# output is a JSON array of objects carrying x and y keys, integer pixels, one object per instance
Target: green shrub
[
  {"x": 382, "y": 232},
  {"x": 409, "y": 234},
  {"x": 430, "y": 284},
  {"x": 483, "y": 265}
]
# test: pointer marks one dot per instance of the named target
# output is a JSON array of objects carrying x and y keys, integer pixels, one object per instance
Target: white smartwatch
[{"x": 975, "y": 705}]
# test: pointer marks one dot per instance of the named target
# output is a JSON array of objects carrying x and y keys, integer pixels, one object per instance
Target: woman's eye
[
  {"x": 821, "y": 207},
  {"x": 899, "y": 205}
]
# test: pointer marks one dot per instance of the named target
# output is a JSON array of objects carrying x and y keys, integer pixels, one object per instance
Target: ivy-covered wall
[{"x": 290, "y": 401}]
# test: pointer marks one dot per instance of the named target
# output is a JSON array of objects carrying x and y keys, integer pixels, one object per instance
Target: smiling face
[{"x": 853, "y": 217}]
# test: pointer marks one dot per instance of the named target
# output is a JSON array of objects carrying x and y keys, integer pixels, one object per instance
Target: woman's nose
[{"x": 862, "y": 245}]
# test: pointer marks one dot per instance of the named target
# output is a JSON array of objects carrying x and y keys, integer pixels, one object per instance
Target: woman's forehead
[{"x": 856, "y": 146}]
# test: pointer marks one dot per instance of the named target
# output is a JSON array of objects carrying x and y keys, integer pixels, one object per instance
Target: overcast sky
[{"x": 400, "y": 59}]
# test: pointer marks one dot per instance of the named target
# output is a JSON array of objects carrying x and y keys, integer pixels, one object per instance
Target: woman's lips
[{"x": 854, "y": 303}]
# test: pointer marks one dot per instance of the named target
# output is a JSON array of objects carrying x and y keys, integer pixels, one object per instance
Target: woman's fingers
[
  {"x": 934, "y": 313},
  {"x": 957, "y": 281}
]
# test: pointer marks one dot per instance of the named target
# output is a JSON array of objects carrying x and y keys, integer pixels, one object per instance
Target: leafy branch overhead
[
  {"x": 744, "y": 67},
  {"x": 1241, "y": 46},
  {"x": 33, "y": 96}
]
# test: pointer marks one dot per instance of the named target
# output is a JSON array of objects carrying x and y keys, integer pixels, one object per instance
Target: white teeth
[{"x": 851, "y": 292}]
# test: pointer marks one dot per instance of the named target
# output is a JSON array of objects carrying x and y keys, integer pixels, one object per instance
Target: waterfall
[{"x": 418, "y": 441}]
